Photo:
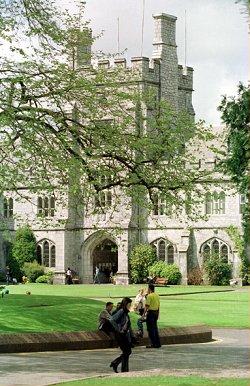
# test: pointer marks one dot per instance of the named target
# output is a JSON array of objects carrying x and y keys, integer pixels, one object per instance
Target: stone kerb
[{"x": 60, "y": 341}]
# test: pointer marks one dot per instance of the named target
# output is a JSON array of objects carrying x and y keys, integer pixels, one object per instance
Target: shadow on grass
[{"x": 36, "y": 313}]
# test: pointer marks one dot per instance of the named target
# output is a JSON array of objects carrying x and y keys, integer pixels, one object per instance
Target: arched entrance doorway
[{"x": 105, "y": 258}]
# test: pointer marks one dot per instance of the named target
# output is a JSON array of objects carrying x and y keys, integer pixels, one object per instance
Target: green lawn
[
  {"x": 158, "y": 381},
  {"x": 104, "y": 290},
  {"x": 69, "y": 308}
]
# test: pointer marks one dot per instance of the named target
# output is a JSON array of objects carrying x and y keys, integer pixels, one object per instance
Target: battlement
[
  {"x": 185, "y": 77},
  {"x": 141, "y": 68},
  {"x": 174, "y": 82}
]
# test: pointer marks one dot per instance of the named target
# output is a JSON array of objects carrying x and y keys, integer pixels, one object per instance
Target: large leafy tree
[
  {"x": 66, "y": 125},
  {"x": 235, "y": 114}
]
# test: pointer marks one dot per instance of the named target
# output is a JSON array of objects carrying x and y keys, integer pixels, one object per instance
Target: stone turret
[
  {"x": 165, "y": 50},
  {"x": 83, "y": 49}
]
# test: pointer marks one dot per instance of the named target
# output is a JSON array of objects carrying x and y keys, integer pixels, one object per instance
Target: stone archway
[
  {"x": 101, "y": 250},
  {"x": 105, "y": 257}
]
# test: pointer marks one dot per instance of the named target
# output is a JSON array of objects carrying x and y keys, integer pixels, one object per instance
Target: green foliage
[
  {"x": 33, "y": 270},
  {"x": 235, "y": 114},
  {"x": 46, "y": 279},
  {"x": 218, "y": 272},
  {"x": 24, "y": 246},
  {"x": 167, "y": 271},
  {"x": 238, "y": 241},
  {"x": 142, "y": 257},
  {"x": 78, "y": 142},
  {"x": 195, "y": 276},
  {"x": 2, "y": 277},
  {"x": 11, "y": 261}
]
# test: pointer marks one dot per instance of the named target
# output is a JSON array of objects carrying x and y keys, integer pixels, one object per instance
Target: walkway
[{"x": 228, "y": 356}]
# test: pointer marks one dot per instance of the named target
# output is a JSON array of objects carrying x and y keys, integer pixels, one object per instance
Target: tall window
[
  {"x": 215, "y": 247},
  {"x": 103, "y": 199},
  {"x": 8, "y": 207},
  {"x": 46, "y": 253},
  {"x": 159, "y": 205},
  {"x": 215, "y": 203},
  {"x": 243, "y": 202},
  {"x": 164, "y": 250},
  {"x": 46, "y": 206}
]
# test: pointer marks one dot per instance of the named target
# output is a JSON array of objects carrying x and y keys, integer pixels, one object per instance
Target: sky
[{"x": 217, "y": 41}]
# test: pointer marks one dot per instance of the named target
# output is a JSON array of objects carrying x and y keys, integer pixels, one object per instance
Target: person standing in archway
[
  {"x": 69, "y": 276},
  {"x": 122, "y": 326},
  {"x": 97, "y": 275}
]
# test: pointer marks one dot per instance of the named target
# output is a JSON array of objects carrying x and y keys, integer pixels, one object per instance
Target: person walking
[
  {"x": 152, "y": 308},
  {"x": 122, "y": 326},
  {"x": 97, "y": 274},
  {"x": 139, "y": 307}
]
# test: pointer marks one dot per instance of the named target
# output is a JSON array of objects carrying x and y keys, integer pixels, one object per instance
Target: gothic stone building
[{"x": 83, "y": 242}]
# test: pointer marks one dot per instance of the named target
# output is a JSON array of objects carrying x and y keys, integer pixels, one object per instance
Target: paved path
[{"x": 228, "y": 356}]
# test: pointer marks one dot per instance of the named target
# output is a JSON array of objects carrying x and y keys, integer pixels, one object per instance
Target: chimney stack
[{"x": 165, "y": 49}]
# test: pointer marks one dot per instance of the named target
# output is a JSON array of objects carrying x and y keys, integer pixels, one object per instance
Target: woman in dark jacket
[{"x": 122, "y": 325}]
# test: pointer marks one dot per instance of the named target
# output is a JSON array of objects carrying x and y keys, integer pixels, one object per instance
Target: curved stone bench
[{"x": 59, "y": 341}]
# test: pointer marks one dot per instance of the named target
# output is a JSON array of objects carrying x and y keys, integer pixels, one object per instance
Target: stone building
[{"x": 84, "y": 241}]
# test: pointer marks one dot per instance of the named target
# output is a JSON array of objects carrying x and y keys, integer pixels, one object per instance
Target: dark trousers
[
  {"x": 125, "y": 345},
  {"x": 152, "y": 317}
]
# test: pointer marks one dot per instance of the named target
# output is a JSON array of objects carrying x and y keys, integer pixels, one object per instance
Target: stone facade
[{"x": 80, "y": 237}]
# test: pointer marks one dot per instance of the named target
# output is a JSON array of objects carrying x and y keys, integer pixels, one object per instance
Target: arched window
[
  {"x": 8, "y": 207},
  {"x": 206, "y": 252},
  {"x": 215, "y": 248},
  {"x": 164, "y": 250},
  {"x": 215, "y": 203},
  {"x": 46, "y": 206},
  {"x": 170, "y": 254},
  {"x": 46, "y": 253},
  {"x": 39, "y": 254},
  {"x": 53, "y": 256},
  {"x": 224, "y": 252}
]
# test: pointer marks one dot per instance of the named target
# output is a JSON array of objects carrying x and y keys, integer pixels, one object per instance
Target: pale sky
[{"x": 217, "y": 35}]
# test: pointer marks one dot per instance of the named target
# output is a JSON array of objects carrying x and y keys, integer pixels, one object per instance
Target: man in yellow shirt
[{"x": 152, "y": 308}]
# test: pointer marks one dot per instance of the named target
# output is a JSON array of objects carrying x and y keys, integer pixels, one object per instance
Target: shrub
[
  {"x": 218, "y": 272},
  {"x": 2, "y": 277},
  {"x": 142, "y": 257},
  {"x": 47, "y": 278},
  {"x": 11, "y": 261},
  {"x": 195, "y": 276},
  {"x": 24, "y": 246},
  {"x": 167, "y": 271},
  {"x": 33, "y": 271}
]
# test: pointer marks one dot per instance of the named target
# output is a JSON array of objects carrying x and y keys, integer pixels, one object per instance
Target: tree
[
  {"x": 142, "y": 258},
  {"x": 235, "y": 114},
  {"x": 72, "y": 127},
  {"x": 24, "y": 246}
]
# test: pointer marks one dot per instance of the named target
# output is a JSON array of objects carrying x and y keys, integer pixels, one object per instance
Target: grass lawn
[
  {"x": 69, "y": 308},
  {"x": 158, "y": 381},
  {"x": 104, "y": 290}
]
